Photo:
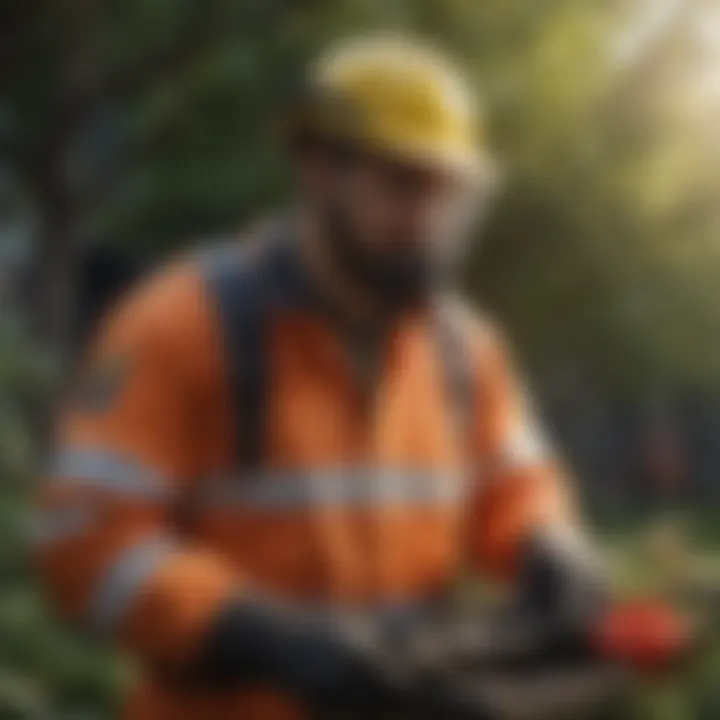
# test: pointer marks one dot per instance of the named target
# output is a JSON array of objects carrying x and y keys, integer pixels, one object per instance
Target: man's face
[{"x": 394, "y": 228}]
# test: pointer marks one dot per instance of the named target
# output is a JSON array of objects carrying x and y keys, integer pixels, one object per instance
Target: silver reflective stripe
[
  {"x": 351, "y": 488},
  {"x": 124, "y": 580},
  {"x": 563, "y": 538},
  {"x": 94, "y": 467},
  {"x": 526, "y": 446}
]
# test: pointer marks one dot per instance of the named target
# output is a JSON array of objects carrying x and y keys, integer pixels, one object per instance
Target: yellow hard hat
[{"x": 396, "y": 96}]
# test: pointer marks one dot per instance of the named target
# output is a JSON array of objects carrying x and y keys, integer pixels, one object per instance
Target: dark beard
[{"x": 397, "y": 281}]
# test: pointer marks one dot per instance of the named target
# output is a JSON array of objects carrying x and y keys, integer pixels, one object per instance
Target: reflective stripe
[
  {"x": 564, "y": 539},
  {"x": 96, "y": 468},
  {"x": 352, "y": 488},
  {"x": 526, "y": 446},
  {"x": 124, "y": 580}
]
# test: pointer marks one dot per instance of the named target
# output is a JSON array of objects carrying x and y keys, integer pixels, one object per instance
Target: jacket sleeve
[
  {"x": 520, "y": 488},
  {"x": 106, "y": 548}
]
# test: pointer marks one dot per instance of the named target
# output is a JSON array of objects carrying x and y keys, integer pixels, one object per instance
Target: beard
[{"x": 402, "y": 278}]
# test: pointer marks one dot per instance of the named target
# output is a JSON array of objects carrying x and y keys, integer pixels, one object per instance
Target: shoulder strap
[
  {"x": 458, "y": 367},
  {"x": 248, "y": 286},
  {"x": 244, "y": 284}
]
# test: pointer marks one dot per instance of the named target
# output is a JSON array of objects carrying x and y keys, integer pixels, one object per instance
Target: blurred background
[{"x": 129, "y": 130}]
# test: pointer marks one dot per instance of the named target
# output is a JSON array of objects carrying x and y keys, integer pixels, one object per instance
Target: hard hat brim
[{"x": 470, "y": 167}]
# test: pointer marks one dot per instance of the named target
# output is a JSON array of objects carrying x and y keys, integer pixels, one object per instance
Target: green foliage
[{"x": 45, "y": 671}]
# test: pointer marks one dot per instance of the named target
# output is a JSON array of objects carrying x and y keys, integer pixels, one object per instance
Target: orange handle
[{"x": 644, "y": 633}]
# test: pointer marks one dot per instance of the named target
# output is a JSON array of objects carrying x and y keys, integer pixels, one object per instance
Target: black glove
[
  {"x": 561, "y": 583},
  {"x": 329, "y": 661}
]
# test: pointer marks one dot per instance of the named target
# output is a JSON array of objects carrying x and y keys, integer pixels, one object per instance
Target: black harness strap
[{"x": 248, "y": 285}]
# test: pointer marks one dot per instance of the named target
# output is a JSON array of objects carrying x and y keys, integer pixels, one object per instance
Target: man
[{"x": 300, "y": 427}]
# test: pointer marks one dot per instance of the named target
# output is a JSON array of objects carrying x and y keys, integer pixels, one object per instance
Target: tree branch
[
  {"x": 201, "y": 35},
  {"x": 158, "y": 66}
]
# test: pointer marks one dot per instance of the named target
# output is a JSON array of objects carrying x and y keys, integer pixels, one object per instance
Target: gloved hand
[
  {"x": 325, "y": 659},
  {"x": 563, "y": 589},
  {"x": 415, "y": 667}
]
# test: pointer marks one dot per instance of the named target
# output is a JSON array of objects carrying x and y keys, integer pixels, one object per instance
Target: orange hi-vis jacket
[{"x": 222, "y": 440}]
